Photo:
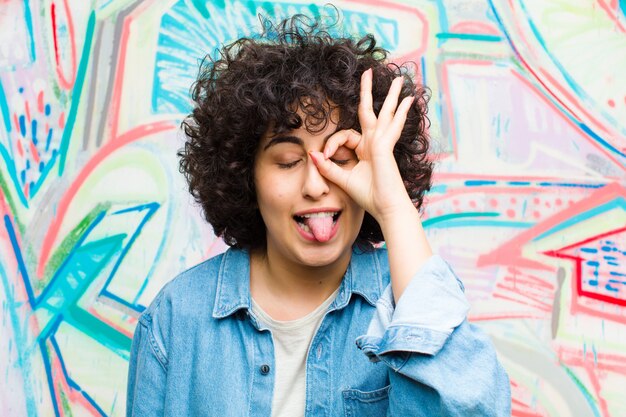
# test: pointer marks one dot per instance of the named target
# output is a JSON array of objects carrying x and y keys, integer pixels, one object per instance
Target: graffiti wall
[{"x": 528, "y": 115}]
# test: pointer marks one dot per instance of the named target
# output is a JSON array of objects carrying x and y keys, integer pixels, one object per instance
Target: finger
[
  {"x": 391, "y": 102},
  {"x": 349, "y": 138},
  {"x": 397, "y": 124},
  {"x": 367, "y": 118},
  {"x": 330, "y": 170}
]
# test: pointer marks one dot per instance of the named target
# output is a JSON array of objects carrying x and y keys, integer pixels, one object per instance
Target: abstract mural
[{"x": 528, "y": 121}]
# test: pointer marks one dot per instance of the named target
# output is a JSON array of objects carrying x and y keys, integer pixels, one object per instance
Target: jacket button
[{"x": 265, "y": 369}]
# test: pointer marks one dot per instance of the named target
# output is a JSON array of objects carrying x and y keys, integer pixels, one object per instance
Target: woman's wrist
[{"x": 407, "y": 245}]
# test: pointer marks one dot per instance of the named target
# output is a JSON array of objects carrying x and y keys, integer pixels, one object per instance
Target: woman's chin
[{"x": 323, "y": 255}]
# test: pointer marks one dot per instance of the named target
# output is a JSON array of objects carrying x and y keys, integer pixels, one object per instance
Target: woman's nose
[{"x": 314, "y": 185}]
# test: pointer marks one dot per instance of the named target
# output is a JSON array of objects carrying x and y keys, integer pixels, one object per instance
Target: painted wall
[{"x": 529, "y": 122}]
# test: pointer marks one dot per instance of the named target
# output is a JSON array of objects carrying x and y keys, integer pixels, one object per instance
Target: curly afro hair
[{"x": 256, "y": 84}]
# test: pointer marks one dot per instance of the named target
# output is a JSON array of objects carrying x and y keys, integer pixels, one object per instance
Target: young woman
[{"x": 306, "y": 151}]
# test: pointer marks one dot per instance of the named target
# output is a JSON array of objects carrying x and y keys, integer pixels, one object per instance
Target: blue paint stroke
[
  {"x": 570, "y": 185},
  {"x": 151, "y": 208},
  {"x": 169, "y": 214},
  {"x": 48, "y": 368},
  {"x": 21, "y": 265},
  {"x": 33, "y": 128},
  {"x": 49, "y": 138},
  {"x": 69, "y": 380},
  {"x": 589, "y": 250},
  {"x": 22, "y": 121},
  {"x": 475, "y": 183}
]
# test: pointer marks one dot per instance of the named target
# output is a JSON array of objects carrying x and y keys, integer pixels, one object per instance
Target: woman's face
[{"x": 309, "y": 220}]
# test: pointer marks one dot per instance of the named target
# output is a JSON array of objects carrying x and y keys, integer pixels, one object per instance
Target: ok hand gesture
[{"x": 374, "y": 182}]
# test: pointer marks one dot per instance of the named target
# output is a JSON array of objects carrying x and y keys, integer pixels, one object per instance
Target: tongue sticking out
[{"x": 321, "y": 227}]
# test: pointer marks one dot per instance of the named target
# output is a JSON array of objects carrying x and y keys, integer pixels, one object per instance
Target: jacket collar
[{"x": 367, "y": 275}]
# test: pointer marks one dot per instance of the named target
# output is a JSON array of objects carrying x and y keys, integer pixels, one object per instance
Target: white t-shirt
[{"x": 291, "y": 346}]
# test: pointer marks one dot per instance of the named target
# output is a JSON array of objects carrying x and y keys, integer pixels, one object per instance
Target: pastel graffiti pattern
[{"x": 528, "y": 123}]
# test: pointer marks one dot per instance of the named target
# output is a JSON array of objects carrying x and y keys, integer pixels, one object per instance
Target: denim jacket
[{"x": 198, "y": 350}]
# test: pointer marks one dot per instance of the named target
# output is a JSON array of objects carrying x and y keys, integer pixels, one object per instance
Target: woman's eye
[
  {"x": 286, "y": 165},
  {"x": 341, "y": 162},
  {"x": 343, "y": 156}
]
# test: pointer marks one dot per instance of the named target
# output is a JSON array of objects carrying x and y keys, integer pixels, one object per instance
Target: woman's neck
[{"x": 288, "y": 291}]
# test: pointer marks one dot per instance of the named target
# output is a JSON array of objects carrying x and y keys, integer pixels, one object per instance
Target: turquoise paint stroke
[
  {"x": 77, "y": 273},
  {"x": 586, "y": 394},
  {"x": 617, "y": 203},
  {"x": 20, "y": 343},
  {"x": 201, "y": 8},
  {"x": 452, "y": 216},
  {"x": 568, "y": 79},
  {"x": 4, "y": 109},
  {"x": 10, "y": 165},
  {"x": 469, "y": 36},
  {"x": 185, "y": 37},
  {"x": 481, "y": 223},
  {"x": 44, "y": 173},
  {"x": 29, "y": 26},
  {"x": 76, "y": 91}
]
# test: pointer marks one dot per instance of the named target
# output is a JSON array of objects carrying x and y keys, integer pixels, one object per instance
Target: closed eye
[
  {"x": 344, "y": 156},
  {"x": 287, "y": 165},
  {"x": 341, "y": 162}
]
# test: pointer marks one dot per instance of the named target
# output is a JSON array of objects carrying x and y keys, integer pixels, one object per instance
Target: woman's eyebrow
[
  {"x": 283, "y": 139},
  {"x": 291, "y": 139}
]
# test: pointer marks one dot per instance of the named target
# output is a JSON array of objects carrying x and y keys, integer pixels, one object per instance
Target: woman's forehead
[
  {"x": 300, "y": 135},
  {"x": 304, "y": 118}
]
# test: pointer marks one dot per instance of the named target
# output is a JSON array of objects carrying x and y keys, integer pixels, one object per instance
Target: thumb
[{"x": 329, "y": 169}]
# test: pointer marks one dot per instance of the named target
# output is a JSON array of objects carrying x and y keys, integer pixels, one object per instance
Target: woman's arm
[
  {"x": 439, "y": 364},
  {"x": 375, "y": 182}
]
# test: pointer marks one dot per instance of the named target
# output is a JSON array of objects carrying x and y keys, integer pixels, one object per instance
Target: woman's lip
[{"x": 318, "y": 210}]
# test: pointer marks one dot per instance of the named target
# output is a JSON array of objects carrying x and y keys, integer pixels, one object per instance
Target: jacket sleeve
[
  {"x": 439, "y": 363},
  {"x": 147, "y": 369}
]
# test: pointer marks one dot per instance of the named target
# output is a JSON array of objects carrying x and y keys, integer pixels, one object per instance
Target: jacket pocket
[{"x": 366, "y": 404}]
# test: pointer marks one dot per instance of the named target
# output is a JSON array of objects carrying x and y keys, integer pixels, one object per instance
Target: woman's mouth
[{"x": 320, "y": 226}]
